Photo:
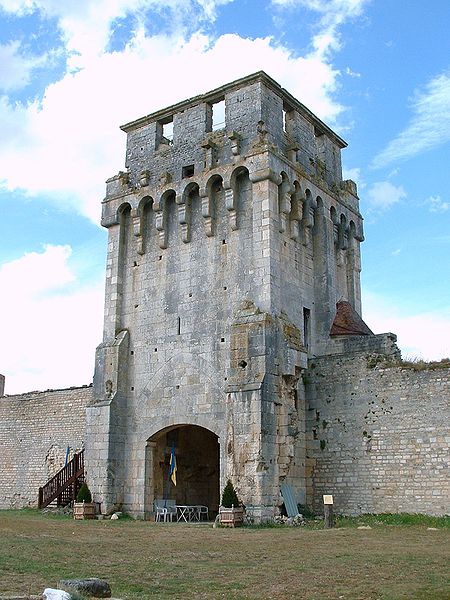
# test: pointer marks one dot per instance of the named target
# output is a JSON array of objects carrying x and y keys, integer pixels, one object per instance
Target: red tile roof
[{"x": 348, "y": 322}]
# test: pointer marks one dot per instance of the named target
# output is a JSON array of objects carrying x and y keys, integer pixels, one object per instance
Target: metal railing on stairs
[{"x": 63, "y": 487}]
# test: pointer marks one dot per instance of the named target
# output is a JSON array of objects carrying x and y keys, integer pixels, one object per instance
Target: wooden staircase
[{"x": 63, "y": 487}]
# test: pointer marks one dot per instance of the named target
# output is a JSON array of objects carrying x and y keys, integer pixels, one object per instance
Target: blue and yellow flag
[{"x": 173, "y": 467}]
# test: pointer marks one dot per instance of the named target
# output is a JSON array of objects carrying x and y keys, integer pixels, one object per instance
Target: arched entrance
[{"x": 197, "y": 459}]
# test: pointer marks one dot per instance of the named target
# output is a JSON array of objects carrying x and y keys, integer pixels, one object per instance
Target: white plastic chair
[{"x": 165, "y": 509}]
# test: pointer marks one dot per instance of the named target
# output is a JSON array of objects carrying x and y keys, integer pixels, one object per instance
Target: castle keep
[{"x": 232, "y": 330}]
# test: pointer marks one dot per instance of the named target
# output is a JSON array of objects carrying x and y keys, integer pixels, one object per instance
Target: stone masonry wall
[
  {"x": 35, "y": 430},
  {"x": 378, "y": 435}
]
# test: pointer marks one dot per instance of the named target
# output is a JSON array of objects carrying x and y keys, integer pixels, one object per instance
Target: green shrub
[
  {"x": 305, "y": 511},
  {"x": 84, "y": 494},
  {"x": 229, "y": 496}
]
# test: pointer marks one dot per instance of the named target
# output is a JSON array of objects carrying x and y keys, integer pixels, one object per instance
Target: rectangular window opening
[
  {"x": 288, "y": 119},
  {"x": 218, "y": 115},
  {"x": 168, "y": 130},
  {"x": 187, "y": 171},
  {"x": 164, "y": 132}
]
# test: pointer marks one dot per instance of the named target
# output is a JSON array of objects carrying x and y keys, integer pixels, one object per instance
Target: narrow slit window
[
  {"x": 306, "y": 326},
  {"x": 178, "y": 326}
]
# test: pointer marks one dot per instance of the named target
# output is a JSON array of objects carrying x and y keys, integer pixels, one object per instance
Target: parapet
[
  {"x": 382, "y": 343},
  {"x": 219, "y": 127}
]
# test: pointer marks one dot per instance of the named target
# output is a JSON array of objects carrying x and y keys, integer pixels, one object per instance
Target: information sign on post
[{"x": 328, "y": 510}]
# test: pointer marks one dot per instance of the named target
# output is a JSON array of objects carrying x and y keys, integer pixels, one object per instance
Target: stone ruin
[{"x": 233, "y": 330}]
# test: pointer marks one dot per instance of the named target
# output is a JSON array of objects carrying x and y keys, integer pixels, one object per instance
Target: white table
[{"x": 190, "y": 513}]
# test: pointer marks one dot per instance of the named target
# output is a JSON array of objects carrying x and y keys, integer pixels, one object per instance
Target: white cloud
[
  {"x": 86, "y": 24},
  {"x": 428, "y": 128},
  {"x": 333, "y": 14},
  {"x": 423, "y": 335},
  {"x": 383, "y": 194},
  {"x": 70, "y": 143},
  {"x": 67, "y": 144},
  {"x": 49, "y": 321},
  {"x": 437, "y": 205},
  {"x": 16, "y": 68},
  {"x": 355, "y": 175},
  {"x": 351, "y": 73}
]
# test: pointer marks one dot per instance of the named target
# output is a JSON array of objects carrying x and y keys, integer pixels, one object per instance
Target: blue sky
[{"x": 377, "y": 71}]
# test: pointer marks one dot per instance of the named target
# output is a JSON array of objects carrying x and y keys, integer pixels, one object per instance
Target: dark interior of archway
[{"x": 197, "y": 456}]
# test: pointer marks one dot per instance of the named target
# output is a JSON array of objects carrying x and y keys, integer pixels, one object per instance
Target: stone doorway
[{"x": 197, "y": 457}]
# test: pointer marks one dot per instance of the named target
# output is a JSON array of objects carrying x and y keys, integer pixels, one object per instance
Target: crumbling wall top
[{"x": 218, "y": 93}]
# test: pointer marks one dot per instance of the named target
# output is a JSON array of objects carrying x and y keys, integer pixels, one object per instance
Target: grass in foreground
[{"x": 398, "y": 559}]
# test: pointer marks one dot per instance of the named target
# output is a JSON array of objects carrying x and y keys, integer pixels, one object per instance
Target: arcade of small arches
[{"x": 297, "y": 207}]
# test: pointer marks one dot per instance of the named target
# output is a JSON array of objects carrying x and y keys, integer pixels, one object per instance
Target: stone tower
[{"x": 230, "y": 245}]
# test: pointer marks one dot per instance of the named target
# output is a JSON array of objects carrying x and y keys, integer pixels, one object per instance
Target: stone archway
[{"x": 198, "y": 472}]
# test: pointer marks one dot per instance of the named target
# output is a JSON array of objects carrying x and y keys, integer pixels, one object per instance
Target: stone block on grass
[{"x": 97, "y": 588}]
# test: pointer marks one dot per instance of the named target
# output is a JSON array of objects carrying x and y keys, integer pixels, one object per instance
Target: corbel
[
  {"x": 296, "y": 215},
  {"x": 144, "y": 178},
  {"x": 235, "y": 139},
  {"x": 209, "y": 148},
  {"x": 161, "y": 228},
  {"x": 292, "y": 150},
  {"x": 124, "y": 177},
  {"x": 206, "y": 211},
  {"x": 183, "y": 219},
  {"x": 231, "y": 207},
  {"x": 137, "y": 230}
]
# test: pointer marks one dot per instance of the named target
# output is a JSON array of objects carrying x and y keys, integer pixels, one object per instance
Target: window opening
[
  {"x": 187, "y": 171},
  {"x": 306, "y": 326},
  {"x": 167, "y": 131},
  {"x": 288, "y": 119},
  {"x": 164, "y": 132},
  {"x": 218, "y": 115},
  {"x": 178, "y": 326}
]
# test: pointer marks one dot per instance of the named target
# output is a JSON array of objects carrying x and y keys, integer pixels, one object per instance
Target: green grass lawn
[{"x": 398, "y": 559}]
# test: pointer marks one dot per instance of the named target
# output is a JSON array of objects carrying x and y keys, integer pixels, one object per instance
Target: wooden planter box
[
  {"x": 232, "y": 517},
  {"x": 84, "y": 510}
]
